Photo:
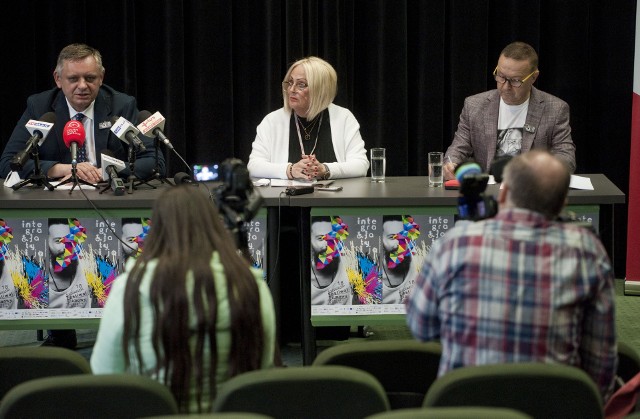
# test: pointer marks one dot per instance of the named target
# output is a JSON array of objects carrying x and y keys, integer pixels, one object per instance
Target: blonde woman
[{"x": 309, "y": 137}]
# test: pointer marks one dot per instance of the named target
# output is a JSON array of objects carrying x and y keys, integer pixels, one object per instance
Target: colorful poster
[
  {"x": 82, "y": 263},
  {"x": 369, "y": 264},
  {"x": 23, "y": 279}
]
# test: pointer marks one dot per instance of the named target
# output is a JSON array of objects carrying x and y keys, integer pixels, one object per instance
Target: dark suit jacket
[
  {"x": 477, "y": 134},
  {"x": 109, "y": 103}
]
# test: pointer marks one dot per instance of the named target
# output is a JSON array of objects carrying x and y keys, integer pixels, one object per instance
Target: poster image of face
[
  {"x": 81, "y": 262},
  {"x": 404, "y": 244},
  {"x": 134, "y": 232},
  {"x": 343, "y": 269},
  {"x": 23, "y": 279}
]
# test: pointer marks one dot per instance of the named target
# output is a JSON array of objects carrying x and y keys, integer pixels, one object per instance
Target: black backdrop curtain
[{"x": 213, "y": 68}]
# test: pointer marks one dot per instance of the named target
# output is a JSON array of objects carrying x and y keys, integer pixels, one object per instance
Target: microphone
[
  {"x": 153, "y": 124},
  {"x": 73, "y": 136},
  {"x": 117, "y": 184},
  {"x": 182, "y": 178},
  {"x": 469, "y": 168},
  {"x": 39, "y": 129},
  {"x": 497, "y": 167},
  {"x": 127, "y": 132}
]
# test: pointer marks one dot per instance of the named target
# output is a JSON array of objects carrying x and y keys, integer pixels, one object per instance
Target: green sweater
[{"x": 108, "y": 358}]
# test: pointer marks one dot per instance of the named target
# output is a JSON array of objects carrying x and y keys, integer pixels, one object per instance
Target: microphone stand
[
  {"x": 156, "y": 169},
  {"x": 132, "y": 181},
  {"x": 76, "y": 181},
  {"x": 37, "y": 178}
]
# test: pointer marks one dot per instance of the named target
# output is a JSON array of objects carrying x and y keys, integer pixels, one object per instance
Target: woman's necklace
[
  {"x": 307, "y": 134},
  {"x": 298, "y": 123}
]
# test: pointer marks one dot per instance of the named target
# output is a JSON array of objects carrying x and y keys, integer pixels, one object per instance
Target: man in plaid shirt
[{"x": 520, "y": 287}]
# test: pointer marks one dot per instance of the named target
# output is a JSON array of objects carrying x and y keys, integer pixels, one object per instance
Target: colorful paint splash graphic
[
  {"x": 30, "y": 280},
  {"x": 139, "y": 239},
  {"x": 72, "y": 244},
  {"x": 5, "y": 238},
  {"x": 100, "y": 272},
  {"x": 364, "y": 276},
  {"x": 334, "y": 238},
  {"x": 406, "y": 242}
]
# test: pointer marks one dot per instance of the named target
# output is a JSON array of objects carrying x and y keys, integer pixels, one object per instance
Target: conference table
[{"x": 359, "y": 200}]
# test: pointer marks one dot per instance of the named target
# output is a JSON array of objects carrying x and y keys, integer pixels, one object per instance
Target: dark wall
[{"x": 213, "y": 68}]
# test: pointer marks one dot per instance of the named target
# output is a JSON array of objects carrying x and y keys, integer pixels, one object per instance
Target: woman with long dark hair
[{"x": 189, "y": 311}]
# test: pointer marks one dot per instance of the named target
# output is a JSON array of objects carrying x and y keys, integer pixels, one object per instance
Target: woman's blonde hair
[{"x": 323, "y": 84}]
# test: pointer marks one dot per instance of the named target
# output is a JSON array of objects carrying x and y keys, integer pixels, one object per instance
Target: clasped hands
[{"x": 308, "y": 168}]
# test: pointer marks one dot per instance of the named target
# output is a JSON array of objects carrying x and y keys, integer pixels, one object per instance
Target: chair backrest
[
  {"x": 540, "y": 390},
  {"x": 20, "y": 364},
  {"x": 309, "y": 392},
  {"x": 474, "y": 412},
  {"x": 118, "y": 396},
  {"x": 628, "y": 361},
  {"x": 405, "y": 368}
]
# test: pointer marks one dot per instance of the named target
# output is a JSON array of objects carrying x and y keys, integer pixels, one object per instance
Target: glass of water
[
  {"x": 378, "y": 164},
  {"x": 436, "y": 160}
]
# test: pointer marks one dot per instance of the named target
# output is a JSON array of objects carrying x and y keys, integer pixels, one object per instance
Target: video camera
[
  {"x": 473, "y": 204},
  {"x": 236, "y": 199}
]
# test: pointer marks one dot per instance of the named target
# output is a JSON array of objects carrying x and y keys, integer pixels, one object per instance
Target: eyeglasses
[
  {"x": 513, "y": 82},
  {"x": 299, "y": 86}
]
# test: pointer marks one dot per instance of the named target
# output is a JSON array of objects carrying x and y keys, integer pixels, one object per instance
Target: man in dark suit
[
  {"x": 512, "y": 119},
  {"x": 79, "y": 76}
]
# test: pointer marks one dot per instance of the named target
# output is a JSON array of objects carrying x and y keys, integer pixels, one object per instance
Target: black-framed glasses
[
  {"x": 513, "y": 82},
  {"x": 299, "y": 86}
]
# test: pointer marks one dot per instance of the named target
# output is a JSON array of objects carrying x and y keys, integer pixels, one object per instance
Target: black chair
[
  {"x": 452, "y": 413},
  {"x": 304, "y": 392},
  {"x": 120, "y": 396},
  {"x": 628, "y": 362},
  {"x": 20, "y": 364},
  {"x": 540, "y": 390},
  {"x": 405, "y": 368}
]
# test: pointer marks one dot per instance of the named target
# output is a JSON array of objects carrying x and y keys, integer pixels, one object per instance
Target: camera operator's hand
[{"x": 449, "y": 171}]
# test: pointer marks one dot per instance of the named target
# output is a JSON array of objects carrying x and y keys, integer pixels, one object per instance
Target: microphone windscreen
[
  {"x": 182, "y": 177},
  {"x": 469, "y": 168},
  {"x": 49, "y": 117},
  {"x": 73, "y": 132},
  {"x": 114, "y": 119},
  {"x": 143, "y": 116},
  {"x": 107, "y": 152}
]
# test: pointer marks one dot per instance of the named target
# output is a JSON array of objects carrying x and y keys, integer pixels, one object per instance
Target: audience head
[
  {"x": 537, "y": 181},
  {"x": 187, "y": 229},
  {"x": 313, "y": 87}
]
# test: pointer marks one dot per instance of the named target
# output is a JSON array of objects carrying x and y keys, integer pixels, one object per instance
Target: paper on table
[
  {"x": 288, "y": 182},
  {"x": 581, "y": 182}
]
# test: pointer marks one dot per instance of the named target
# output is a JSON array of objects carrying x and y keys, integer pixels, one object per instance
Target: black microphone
[
  {"x": 117, "y": 184},
  {"x": 39, "y": 131},
  {"x": 127, "y": 132},
  {"x": 153, "y": 124},
  {"x": 497, "y": 167},
  {"x": 182, "y": 178}
]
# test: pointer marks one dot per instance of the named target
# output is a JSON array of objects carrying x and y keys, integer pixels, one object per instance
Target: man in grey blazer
[
  {"x": 512, "y": 119},
  {"x": 80, "y": 94}
]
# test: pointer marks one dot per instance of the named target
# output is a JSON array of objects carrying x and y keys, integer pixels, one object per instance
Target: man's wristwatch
[{"x": 327, "y": 172}]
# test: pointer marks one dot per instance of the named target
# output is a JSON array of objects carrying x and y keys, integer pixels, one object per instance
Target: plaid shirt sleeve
[
  {"x": 598, "y": 349},
  {"x": 422, "y": 306}
]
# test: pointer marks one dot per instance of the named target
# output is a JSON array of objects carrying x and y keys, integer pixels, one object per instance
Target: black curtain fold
[{"x": 213, "y": 68}]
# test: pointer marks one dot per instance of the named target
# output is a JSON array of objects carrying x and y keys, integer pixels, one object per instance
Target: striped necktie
[{"x": 82, "y": 151}]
